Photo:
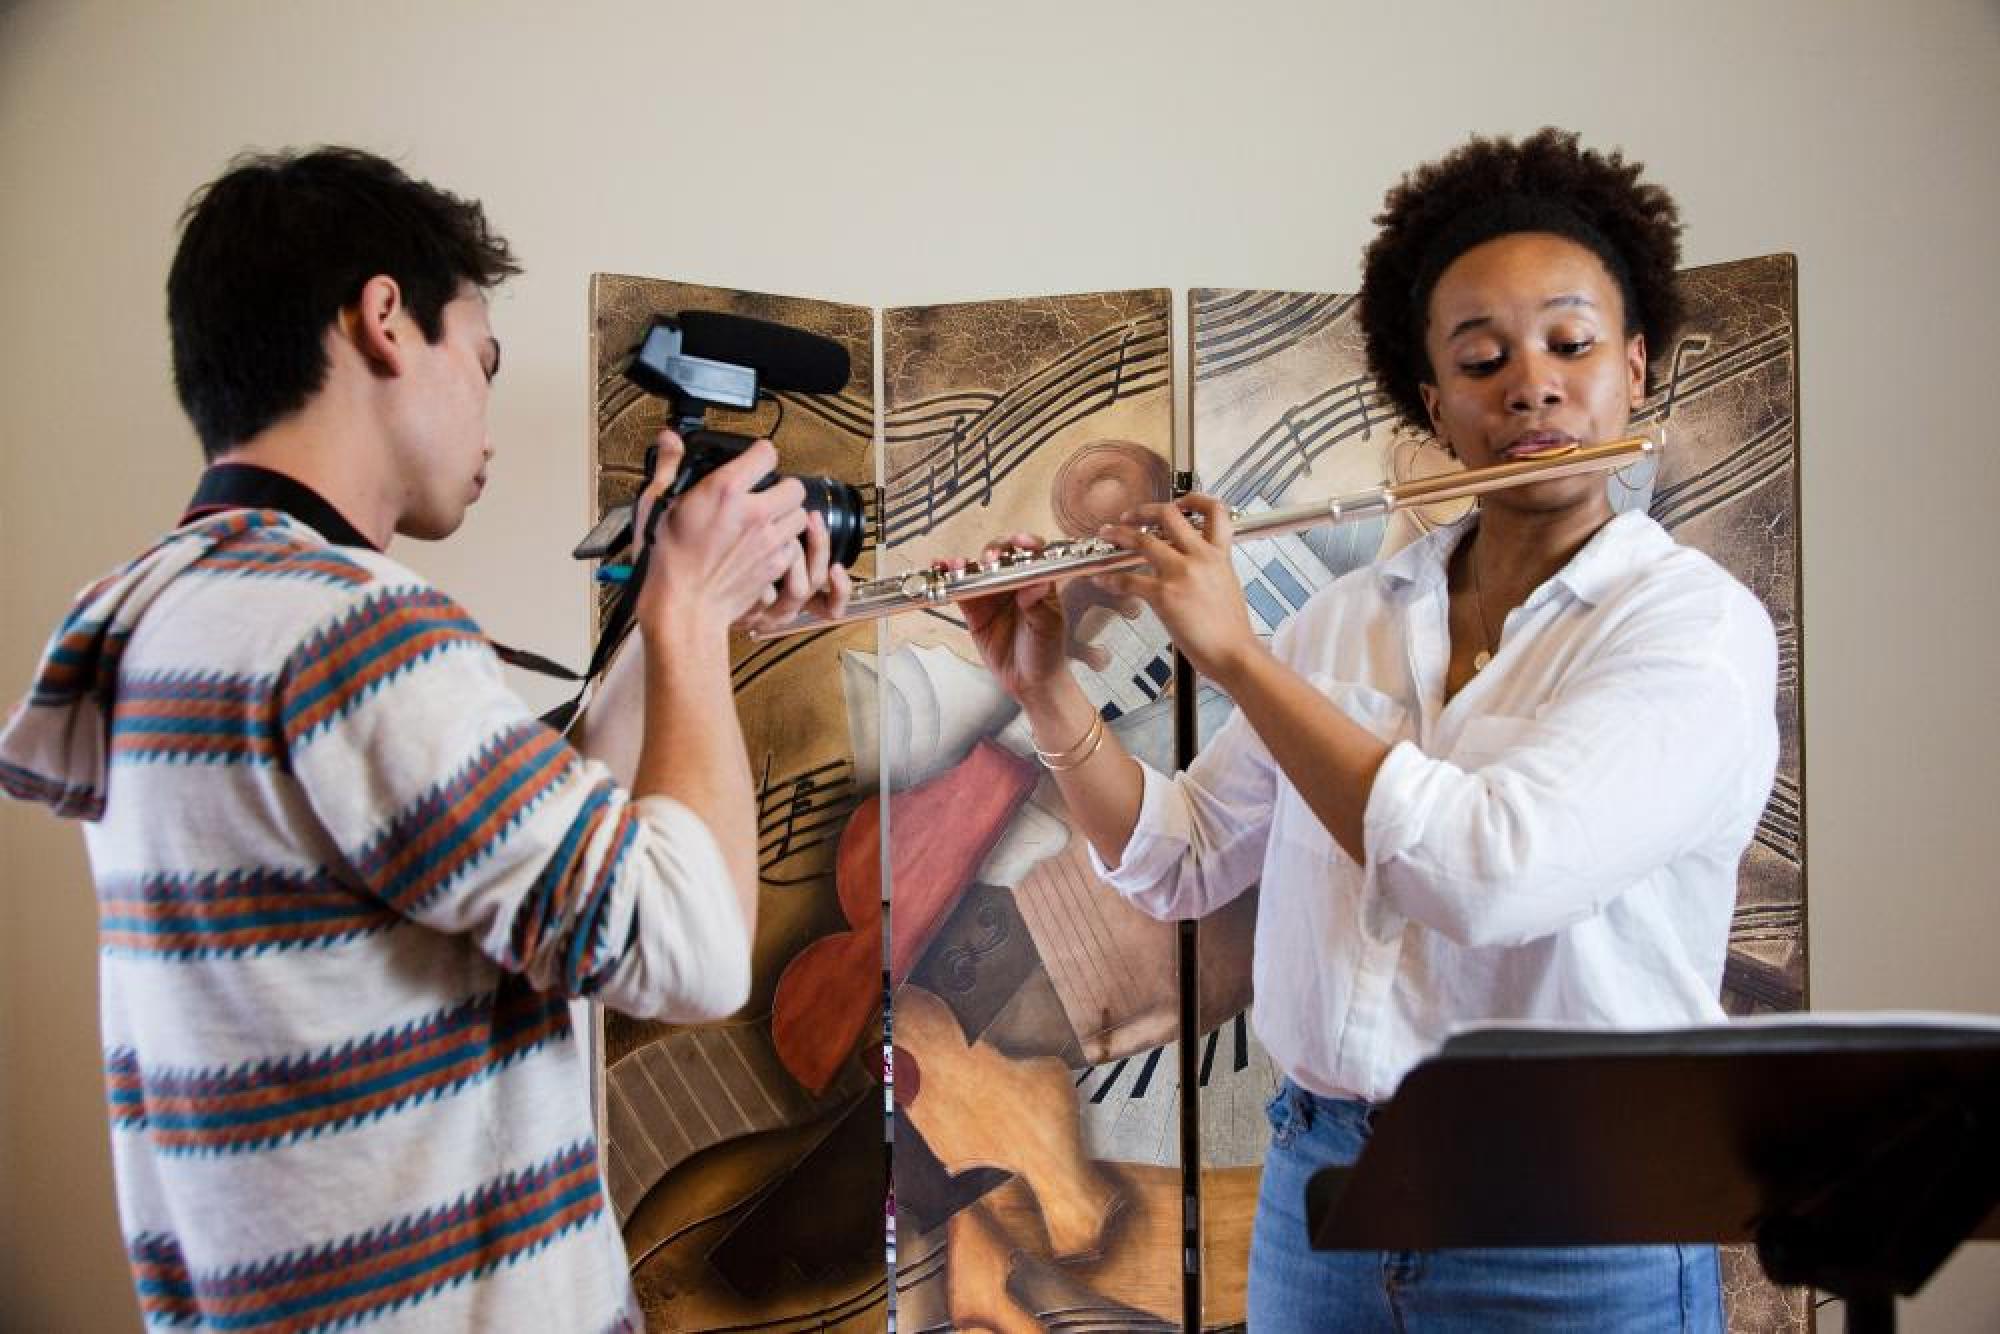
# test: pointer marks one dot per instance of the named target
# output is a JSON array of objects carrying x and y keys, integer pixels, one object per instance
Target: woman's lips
[{"x": 1542, "y": 442}]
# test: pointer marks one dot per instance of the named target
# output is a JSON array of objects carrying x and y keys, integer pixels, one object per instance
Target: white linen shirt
[{"x": 1559, "y": 842}]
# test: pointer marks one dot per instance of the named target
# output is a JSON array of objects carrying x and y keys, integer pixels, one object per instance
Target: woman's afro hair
[{"x": 1639, "y": 221}]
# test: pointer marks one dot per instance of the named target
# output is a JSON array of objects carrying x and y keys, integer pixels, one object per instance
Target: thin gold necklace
[{"x": 1485, "y": 654}]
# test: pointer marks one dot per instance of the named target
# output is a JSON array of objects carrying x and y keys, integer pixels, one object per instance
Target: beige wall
[{"x": 920, "y": 152}]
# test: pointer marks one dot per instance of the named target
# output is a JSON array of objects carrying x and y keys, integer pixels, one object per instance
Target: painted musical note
[{"x": 798, "y": 813}]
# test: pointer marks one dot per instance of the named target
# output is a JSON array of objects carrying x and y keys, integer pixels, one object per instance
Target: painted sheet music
[
  {"x": 715, "y": 1134},
  {"x": 1283, "y": 410}
]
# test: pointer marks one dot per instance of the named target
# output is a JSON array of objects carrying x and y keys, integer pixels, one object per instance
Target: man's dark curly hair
[
  {"x": 1493, "y": 187},
  {"x": 271, "y": 252}
]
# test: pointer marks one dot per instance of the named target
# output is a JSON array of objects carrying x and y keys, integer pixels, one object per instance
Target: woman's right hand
[{"x": 1020, "y": 632}]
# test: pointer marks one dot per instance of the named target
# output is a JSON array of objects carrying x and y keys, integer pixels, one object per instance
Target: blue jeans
[{"x": 1295, "y": 1288}]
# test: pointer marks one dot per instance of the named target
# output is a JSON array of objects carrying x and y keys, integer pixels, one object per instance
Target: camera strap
[{"x": 617, "y": 623}]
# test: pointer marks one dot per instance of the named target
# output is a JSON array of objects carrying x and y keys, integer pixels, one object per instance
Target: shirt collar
[
  {"x": 232, "y": 486},
  {"x": 1423, "y": 561},
  {"x": 1621, "y": 546},
  {"x": 1625, "y": 542}
]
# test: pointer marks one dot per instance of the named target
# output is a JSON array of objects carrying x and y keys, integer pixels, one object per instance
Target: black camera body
[{"x": 739, "y": 358}]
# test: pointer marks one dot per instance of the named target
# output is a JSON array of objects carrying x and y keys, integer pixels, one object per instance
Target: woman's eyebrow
[{"x": 1479, "y": 321}]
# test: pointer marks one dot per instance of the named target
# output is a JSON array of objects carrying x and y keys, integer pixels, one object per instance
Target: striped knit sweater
[{"x": 345, "y": 885}]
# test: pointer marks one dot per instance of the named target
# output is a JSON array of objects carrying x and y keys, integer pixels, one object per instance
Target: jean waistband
[{"x": 1313, "y": 1106}]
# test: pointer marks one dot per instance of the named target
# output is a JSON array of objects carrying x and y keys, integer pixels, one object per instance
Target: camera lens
[
  {"x": 836, "y": 502},
  {"x": 846, "y": 517}
]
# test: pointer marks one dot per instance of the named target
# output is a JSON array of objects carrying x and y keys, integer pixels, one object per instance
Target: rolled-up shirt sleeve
[
  {"x": 1199, "y": 840},
  {"x": 1533, "y": 824},
  {"x": 688, "y": 955}
]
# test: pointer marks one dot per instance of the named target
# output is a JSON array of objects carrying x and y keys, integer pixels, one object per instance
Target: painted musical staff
[
  {"x": 1303, "y": 432},
  {"x": 798, "y": 813},
  {"x": 1236, "y": 329},
  {"x": 1764, "y": 457},
  {"x": 926, "y": 438},
  {"x": 1717, "y": 367}
]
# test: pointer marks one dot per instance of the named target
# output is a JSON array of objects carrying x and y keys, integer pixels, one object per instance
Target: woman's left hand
[{"x": 1189, "y": 583}]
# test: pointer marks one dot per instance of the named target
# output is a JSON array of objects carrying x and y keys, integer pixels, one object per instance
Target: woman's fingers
[{"x": 1217, "y": 527}]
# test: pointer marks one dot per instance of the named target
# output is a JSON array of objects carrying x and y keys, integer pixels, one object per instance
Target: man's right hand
[{"x": 720, "y": 549}]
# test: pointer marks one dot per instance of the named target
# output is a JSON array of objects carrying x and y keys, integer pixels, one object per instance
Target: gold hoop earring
[
  {"x": 1650, "y": 461},
  {"x": 1407, "y": 449}
]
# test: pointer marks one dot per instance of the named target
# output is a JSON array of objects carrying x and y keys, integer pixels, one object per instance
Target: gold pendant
[{"x": 1480, "y": 659}]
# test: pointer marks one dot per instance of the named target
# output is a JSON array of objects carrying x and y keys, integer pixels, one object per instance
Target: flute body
[{"x": 1013, "y": 568}]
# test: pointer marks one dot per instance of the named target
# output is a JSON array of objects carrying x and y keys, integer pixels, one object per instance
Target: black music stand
[{"x": 1856, "y": 1153}]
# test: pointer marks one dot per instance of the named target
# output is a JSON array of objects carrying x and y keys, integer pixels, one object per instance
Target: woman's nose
[{"x": 1535, "y": 383}]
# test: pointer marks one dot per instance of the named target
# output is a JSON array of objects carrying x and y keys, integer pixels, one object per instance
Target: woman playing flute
[{"x": 1504, "y": 774}]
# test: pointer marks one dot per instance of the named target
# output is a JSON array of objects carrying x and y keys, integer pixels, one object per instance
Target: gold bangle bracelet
[
  {"x": 1062, "y": 760},
  {"x": 1083, "y": 741}
]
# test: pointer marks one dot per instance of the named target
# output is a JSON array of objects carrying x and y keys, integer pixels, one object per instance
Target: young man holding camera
[{"x": 347, "y": 883}]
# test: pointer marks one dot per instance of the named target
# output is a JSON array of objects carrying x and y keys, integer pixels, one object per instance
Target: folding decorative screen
[{"x": 1036, "y": 1135}]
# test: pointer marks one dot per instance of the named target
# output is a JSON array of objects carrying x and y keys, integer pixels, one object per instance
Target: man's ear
[{"x": 378, "y": 326}]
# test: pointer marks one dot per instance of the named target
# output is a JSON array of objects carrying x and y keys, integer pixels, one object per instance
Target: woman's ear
[
  {"x": 1432, "y": 408},
  {"x": 1635, "y": 365}
]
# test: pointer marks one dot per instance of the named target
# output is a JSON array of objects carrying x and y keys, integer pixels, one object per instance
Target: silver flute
[{"x": 1016, "y": 567}]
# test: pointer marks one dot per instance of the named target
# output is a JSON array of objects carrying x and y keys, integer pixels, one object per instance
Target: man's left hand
[{"x": 812, "y": 583}]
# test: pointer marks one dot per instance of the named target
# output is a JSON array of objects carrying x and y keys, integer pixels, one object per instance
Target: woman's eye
[
  {"x": 1483, "y": 366},
  {"x": 1572, "y": 347}
]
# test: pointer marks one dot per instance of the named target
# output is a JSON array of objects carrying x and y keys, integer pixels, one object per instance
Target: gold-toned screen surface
[
  {"x": 750, "y": 1187},
  {"x": 1034, "y": 1190}
]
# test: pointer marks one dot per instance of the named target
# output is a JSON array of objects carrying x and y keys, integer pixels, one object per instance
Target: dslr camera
[{"x": 702, "y": 359}]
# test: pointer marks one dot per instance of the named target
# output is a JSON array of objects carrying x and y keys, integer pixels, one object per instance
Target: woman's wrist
[
  {"x": 1230, "y": 670},
  {"x": 1050, "y": 703}
]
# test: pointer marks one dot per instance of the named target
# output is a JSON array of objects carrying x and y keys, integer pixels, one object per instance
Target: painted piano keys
[{"x": 1130, "y": 1108}]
